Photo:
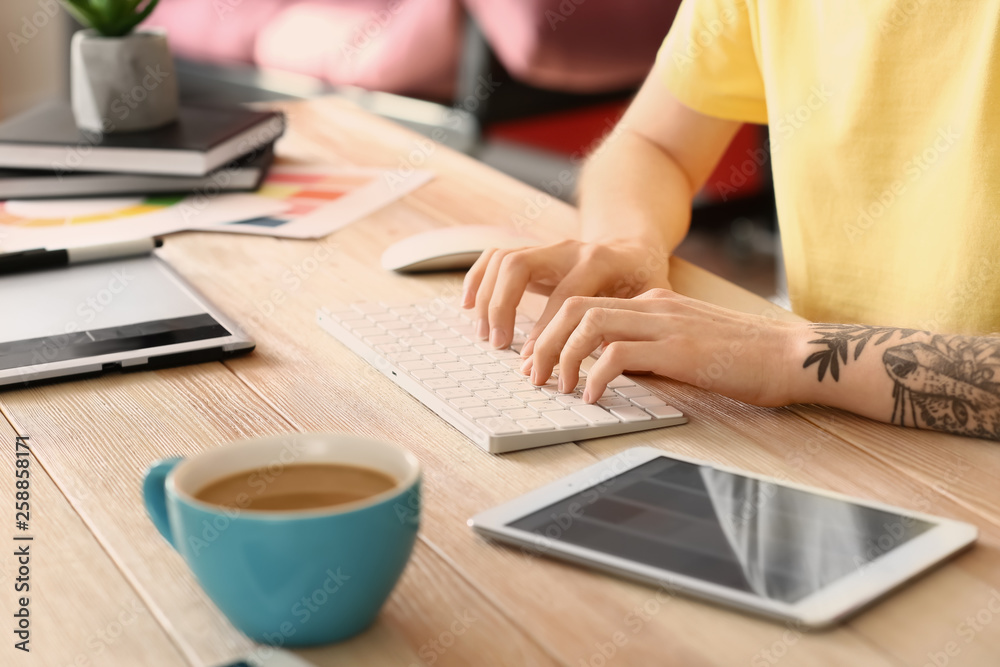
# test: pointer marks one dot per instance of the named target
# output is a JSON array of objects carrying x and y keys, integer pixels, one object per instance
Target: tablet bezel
[
  {"x": 823, "y": 608},
  {"x": 236, "y": 342}
]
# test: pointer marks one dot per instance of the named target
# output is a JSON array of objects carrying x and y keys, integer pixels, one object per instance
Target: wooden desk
[{"x": 108, "y": 591}]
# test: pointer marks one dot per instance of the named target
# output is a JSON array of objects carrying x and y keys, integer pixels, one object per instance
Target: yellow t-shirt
[{"x": 884, "y": 118}]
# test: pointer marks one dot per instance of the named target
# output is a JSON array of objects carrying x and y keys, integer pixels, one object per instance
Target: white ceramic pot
[{"x": 122, "y": 84}]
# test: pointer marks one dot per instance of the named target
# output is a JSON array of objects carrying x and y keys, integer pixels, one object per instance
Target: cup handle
[{"x": 154, "y": 495}]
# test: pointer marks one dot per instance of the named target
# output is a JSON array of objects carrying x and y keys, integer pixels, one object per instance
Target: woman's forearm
[
  {"x": 632, "y": 190},
  {"x": 947, "y": 383}
]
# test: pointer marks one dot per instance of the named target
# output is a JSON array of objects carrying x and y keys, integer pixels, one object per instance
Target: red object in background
[{"x": 577, "y": 132}]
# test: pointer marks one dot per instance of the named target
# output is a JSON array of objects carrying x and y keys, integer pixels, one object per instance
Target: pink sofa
[{"x": 413, "y": 46}]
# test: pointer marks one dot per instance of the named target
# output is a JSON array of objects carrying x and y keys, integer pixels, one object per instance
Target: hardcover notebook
[
  {"x": 244, "y": 174},
  {"x": 121, "y": 315},
  {"x": 201, "y": 140}
]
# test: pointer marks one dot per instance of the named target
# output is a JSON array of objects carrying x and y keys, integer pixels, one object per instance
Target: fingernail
[
  {"x": 562, "y": 384},
  {"x": 534, "y": 376},
  {"x": 527, "y": 348},
  {"x": 497, "y": 339},
  {"x": 586, "y": 396},
  {"x": 482, "y": 328},
  {"x": 526, "y": 366}
]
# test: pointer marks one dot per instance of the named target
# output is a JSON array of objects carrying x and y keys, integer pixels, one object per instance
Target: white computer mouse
[{"x": 450, "y": 248}]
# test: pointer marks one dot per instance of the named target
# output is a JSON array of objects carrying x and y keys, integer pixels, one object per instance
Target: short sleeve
[{"x": 709, "y": 63}]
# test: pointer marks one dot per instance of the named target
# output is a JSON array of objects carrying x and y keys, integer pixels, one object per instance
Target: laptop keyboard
[{"x": 431, "y": 351}]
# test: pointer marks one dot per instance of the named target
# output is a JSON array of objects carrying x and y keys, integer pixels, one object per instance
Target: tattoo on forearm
[{"x": 949, "y": 383}]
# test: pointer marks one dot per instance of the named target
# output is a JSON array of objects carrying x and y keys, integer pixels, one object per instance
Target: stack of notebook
[{"x": 43, "y": 154}]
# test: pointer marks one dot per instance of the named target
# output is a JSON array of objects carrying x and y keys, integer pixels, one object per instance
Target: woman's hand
[
  {"x": 746, "y": 357},
  {"x": 496, "y": 282}
]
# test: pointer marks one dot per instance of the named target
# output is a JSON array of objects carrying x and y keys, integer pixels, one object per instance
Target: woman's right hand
[{"x": 497, "y": 281}]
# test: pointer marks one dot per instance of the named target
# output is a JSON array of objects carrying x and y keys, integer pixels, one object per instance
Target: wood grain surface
[{"x": 95, "y": 437}]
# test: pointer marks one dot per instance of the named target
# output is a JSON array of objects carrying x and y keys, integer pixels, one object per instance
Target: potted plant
[{"x": 122, "y": 80}]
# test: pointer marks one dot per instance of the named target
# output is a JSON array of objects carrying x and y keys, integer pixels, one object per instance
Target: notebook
[
  {"x": 200, "y": 141},
  {"x": 122, "y": 315},
  {"x": 244, "y": 174}
]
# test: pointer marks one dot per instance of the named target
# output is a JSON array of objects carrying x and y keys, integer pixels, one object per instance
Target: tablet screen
[
  {"x": 95, "y": 309},
  {"x": 759, "y": 537}
]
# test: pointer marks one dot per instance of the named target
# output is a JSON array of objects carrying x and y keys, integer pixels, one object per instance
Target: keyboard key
[
  {"x": 440, "y": 383},
  {"x": 504, "y": 354},
  {"x": 632, "y": 392},
  {"x": 514, "y": 363},
  {"x": 570, "y": 399},
  {"x": 455, "y": 367},
  {"x": 664, "y": 412},
  {"x": 519, "y": 414},
  {"x": 396, "y": 357},
  {"x": 615, "y": 402},
  {"x": 478, "y": 385},
  {"x": 648, "y": 402},
  {"x": 406, "y": 311},
  {"x": 505, "y": 404},
  {"x": 480, "y": 412},
  {"x": 630, "y": 414},
  {"x": 464, "y": 351},
  {"x": 429, "y": 326},
  {"x": 465, "y": 330},
  {"x": 499, "y": 426},
  {"x": 620, "y": 381},
  {"x": 454, "y": 392},
  {"x": 545, "y": 406},
  {"x": 463, "y": 402},
  {"x": 442, "y": 334},
  {"x": 394, "y": 324},
  {"x": 382, "y": 317},
  {"x": 394, "y": 348},
  {"x": 476, "y": 360},
  {"x": 513, "y": 386},
  {"x": 550, "y": 389},
  {"x": 465, "y": 376},
  {"x": 380, "y": 340},
  {"x": 483, "y": 345},
  {"x": 521, "y": 318},
  {"x": 486, "y": 369},
  {"x": 368, "y": 307},
  {"x": 441, "y": 358},
  {"x": 427, "y": 349},
  {"x": 448, "y": 343},
  {"x": 369, "y": 332},
  {"x": 405, "y": 333},
  {"x": 536, "y": 425},
  {"x": 416, "y": 341},
  {"x": 594, "y": 414},
  {"x": 565, "y": 419},
  {"x": 492, "y": 394},
  {"x": 527, "y": 395},
  {"x": 417, "y": 365},
  {"x": 427, "y": 374}
]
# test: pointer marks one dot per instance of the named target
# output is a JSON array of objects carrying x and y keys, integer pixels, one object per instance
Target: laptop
[{"x": 120, "y": 315}]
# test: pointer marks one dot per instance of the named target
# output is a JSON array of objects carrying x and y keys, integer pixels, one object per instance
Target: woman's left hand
[{"x": 747, "y": 357}]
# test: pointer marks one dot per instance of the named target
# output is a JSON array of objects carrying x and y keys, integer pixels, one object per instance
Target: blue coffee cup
[{"x": 291, "y": 578}]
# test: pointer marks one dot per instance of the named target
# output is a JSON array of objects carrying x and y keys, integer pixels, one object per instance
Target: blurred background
[{"x": 527, "y": 86}]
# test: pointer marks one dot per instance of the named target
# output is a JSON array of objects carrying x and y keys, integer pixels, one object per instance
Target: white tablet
[
  {"x": 762, "y": 545},
  {"x": 118, "y": 315}
]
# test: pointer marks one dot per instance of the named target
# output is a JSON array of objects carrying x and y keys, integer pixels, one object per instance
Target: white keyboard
[{"x": 430, "y": 350}]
